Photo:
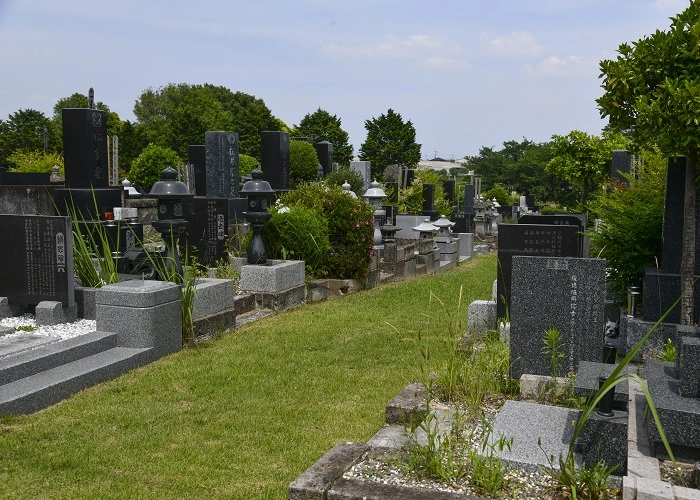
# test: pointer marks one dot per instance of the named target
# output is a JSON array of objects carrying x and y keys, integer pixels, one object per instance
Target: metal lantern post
[{"x": 258, "y": 192}]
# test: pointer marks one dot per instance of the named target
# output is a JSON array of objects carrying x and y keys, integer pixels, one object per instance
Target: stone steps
[{"x": 37, "y": 379}]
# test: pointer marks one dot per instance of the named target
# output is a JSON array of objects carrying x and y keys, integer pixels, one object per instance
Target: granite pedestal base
[{"x": 277, "y": 285}]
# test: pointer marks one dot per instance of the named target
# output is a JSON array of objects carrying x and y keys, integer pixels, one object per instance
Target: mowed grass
[{"x": 243, "y": 415}]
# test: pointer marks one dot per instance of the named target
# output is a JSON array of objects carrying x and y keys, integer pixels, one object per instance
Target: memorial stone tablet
[
  {"x": 198, "y": 160},
  {"x": 85, "y": 147},
  {"x": 207, "y": 230},
  {"x": 324, "y": 151},
  {"x": 529, "y": 239},
  {"x": 37, "y": 259},
  {"x": 274, "y": 159},
  {"x": 557, "y": 220},
  {"x": 221, "y": 164}
]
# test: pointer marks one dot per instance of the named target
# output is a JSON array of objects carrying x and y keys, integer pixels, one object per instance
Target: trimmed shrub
[
  {"x": 338, "y": 177},
  {"x": 23, "y": 160},
  {"x": 350, "y": 228},
  {"x": 303, "y": 161},
  {"x": 148, "y": 167},
  {"x": 299, "y": 233},
  {"x": 500, "y": 193},
  {"x": 246, "y": 164}
]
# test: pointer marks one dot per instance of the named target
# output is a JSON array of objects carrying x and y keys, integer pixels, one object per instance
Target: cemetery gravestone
[
  {"x": 198, "y": 160},
  {"x": 324, "y": 151},
  {"x": 530, "y": 201},
  {"x": 85, "y": 148},
  {"x": 221, "y": 164},
  {"x": 274, "y": 159},
  {"x": 621, "y": 164},
  {"x": 207, "y": 229},
  {"x": 532, "y": 240},
  {"x": 563, "y": 293},
  {"x": 37, "y": 254},
  {"x": 449, "y": 187},
  {"x": 557, "y": 220},
  {"x": 469, "y": 199},
  {"x": 364, "y": 168}
]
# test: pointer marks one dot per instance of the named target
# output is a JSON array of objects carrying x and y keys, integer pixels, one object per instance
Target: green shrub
[
  {"x": 338, "y": 177},
  {"x": 411, "y": 197},
  {"x": 500, "y": 193},
  {"x": 23, "y": 160},
  {"x": 548, "y": 210},
  {"x": 303, "y": 161},
  {"x": 246, "y": 164},
  {"x": 630, "y": 234},
  {"x": 300, "y": 233},
  {"x": 148, "y": 168},
  {"x": 350, "y": 228}
]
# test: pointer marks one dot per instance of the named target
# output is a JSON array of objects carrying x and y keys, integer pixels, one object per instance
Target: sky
[{"x": 466, "y": 73}]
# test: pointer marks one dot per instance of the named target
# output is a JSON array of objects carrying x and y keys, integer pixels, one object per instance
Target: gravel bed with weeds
[{"x": 682, "y": 475}]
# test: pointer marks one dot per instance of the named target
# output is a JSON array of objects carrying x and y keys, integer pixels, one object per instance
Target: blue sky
[{"x": 467, "y": 73}]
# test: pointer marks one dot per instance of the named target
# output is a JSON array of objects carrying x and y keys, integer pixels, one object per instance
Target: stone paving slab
[{"x": 15, "y": 345}]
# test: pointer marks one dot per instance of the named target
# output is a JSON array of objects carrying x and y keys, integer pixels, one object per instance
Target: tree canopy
[
  {"x": 390, "y": 141},
  {"x": 652, "y": 92},
  {"x": 24, "y": 130},
  {"x": 322, "y": 126}
]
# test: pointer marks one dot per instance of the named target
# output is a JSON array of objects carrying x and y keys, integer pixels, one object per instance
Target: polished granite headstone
[
  {"x": 469, "y": 199},
  {"x": 85, "y": 150},
  {"x": 274, "y": 159},
  {"x": 37, "y": 259},
  {"x": 563, "y": 293},
  {"x": 324, "y": 151},
  {"x": 529, "y": 239},
  {"x": 198, "y": 160},
  {"x": 557, "y": 220},
  {"x": 221, "y": 164},
  {"x": 364, "y": 169},
  {"x": 621, "y": 164},
  {"x": 208, "y": 228}
]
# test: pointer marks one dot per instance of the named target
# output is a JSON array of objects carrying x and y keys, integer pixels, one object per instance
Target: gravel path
[{"x": 63, "y": 331}]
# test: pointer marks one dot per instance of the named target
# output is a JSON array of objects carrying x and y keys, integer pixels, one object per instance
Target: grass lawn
[{"x": 241, "y": 416}]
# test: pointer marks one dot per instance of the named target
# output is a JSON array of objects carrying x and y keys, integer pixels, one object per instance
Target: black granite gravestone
[
  {"x": 392, "y": 191},
  {"x": 85, "y": 148},
  {"x": 324, "y": 151},
  {"x": 88, "y": 204},
  {"x": 37, "y": 259},
  {"x": 557, "y": 220},
  {"x": 621, "y": 164},
  {"x": 469, "y": 194},
  {"x": 207, "y": 229},
  {"x": 533, "y": 240},
  {"x": 410, "y": 176},
  {"x": 429, "y": 202},
  {"x": 449, "y": 188},
  {"x": 222, "y": 164},
  {"x": 198, "y": 160},
  {"x": 530, "y": 201},
  {"x": 274, "y": 159}
]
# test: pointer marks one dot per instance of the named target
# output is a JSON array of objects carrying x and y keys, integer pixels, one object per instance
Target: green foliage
[
  {"x": 77, "y": 100},
  {"x": 24, "y": 130},
  {"x": 668, "y": 352},
  {"x": 25, "y": 328},
  {"x": 350, "y": 228},
  {"x": 148, "y": 167},
  {"x": 498, "y": 192},
  {"x": 299, "y": 232},
  {"x": 341, "y": 175},
  {"x": 24, "y": 160},
  {"x": 246, "y": 164},
  {"x": 322, "y": 126},
  {"x": 553, "y": 348},
  {"x": 132, "y": 141},
  {"x": 303, "y": 161},
  {"x": 389, "y": 141},
  {"x": 411, "y": 197},
  {"x": 584, "y": 160},
  {"x": 630, "y": 236}
]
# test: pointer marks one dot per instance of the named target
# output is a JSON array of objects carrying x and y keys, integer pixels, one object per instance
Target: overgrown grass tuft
[{"x": 242, "y": 416}]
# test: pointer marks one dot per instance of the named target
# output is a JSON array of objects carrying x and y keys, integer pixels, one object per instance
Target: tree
[
  {"x": 132, "y": 141},
  {"x": 24, "y": 130},
  {"x": 303, "y": 161},
  {"x": 652, "y": 92},
  {"x": 584, "y": 160},
  {"x": 148, "y": 167},
  {"x": 77, "y": 100},
  {"x": 389, "y": 141},
  {"x": 322, "y": 126}
]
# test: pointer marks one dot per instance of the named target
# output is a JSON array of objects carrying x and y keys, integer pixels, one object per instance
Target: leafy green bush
[
  {"x": 300, "y": 233},
  {"x": 303, "y": 161},
  {"x": 411, "y": 197},
  {"x": 350, "y": 228},
  {"x": 500, "y": 193},
  {"x": 338, "y": 177},
  {"x": 246, "y": 164},
  {"x": 548, "y": 210},
  {"x": 630, "y": 235},
  {"x": 148, "y": 168},
  {"x": 23, "y": 160}
]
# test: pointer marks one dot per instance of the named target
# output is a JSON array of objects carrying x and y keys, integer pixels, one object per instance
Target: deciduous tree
[
  {"x": 322, "y": 126},
  {"x": 390, "y": 141}
]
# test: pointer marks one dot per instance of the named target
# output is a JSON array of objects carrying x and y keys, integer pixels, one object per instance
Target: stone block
[
  {"x": 632, "y": 330},
  {"x": 448, "y": 247},
  {"x": 280, "y": 301},
  {"x": 409, "y": 269},
  {"x": 481, "y": 316},
  {"x": 408, "y": 406},
  {"x": 689, "y": 356},
  {"x": 494, "y": 291},
  {"x": 426, "y": 262},
  {"x": 425, "y": 246},
  {"x": 407, "y": 223},
  {"x": 274, "y": 277},
  {"x": 212, "y": 296},
  {"x": 85, "y": 301},
  {"x": 586, "y": 383},
  {"x": 49, "y": 312},
  {"x": 604, "y": 439},
  {"x": 144, "y": 314},
  {"x": 9, "y": 309},
  {"x": 466, "y": 244}
]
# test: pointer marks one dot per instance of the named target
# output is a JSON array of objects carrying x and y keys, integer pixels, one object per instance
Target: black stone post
[
  {"x": 605, "y": 406},
  {"x": 85, "y": 148},
  {"x": 469, "y": 194},
  {"x": 324, "y": 151},
  {"x": 198, "y": 158},
  {"x": 274, "y": 159}
]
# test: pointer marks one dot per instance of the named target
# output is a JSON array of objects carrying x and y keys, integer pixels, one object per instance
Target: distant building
[{"x": 441, "y": 164}]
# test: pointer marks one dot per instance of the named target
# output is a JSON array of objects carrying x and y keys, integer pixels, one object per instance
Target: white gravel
[{"x": 62, "y": 331}]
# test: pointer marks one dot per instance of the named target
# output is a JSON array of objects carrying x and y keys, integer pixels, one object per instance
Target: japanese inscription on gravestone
[
  {"x": 529, "y": 239},
  {"x": 37, "y": 259},
  {"x": 221, "y": 164}
]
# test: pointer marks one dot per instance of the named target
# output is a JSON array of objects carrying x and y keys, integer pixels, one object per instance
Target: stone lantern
[
  {"x": 443, "y": 226},
  {"x": 426, "y": 230},
  {"x": 346, "y": 189},
  {"x": 171, "y": 224},
  {"x": 374, "y": 196},
  {"x": 258, "y": 192}
]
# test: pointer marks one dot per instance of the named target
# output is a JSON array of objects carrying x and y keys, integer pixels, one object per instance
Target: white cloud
[
  {"x": 554, "y": 66},
  {"x": 424, "y": 50},
  {"x": 516, "y": 44}
]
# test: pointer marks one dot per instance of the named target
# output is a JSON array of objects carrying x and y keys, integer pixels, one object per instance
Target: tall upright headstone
[
  {"x": 221, "y": 151},
  {"x": 529, "y": 240},
  {"x": 563, "y": 293},
  {"x": 208, "y": 228},
  {"x": 364, "y": 168},
  {"x": 324, "y": 151},
  {"x": 621, "y": 164},
  {"x": 85, "y": 148},
  {"x": 449, "y": 187},
  {"x": 198, "y": 160},
  {"x": 558, "y": 220},
  {"x": 274, "y": 159},
  {"x": 469, "y": 193},
  {"x": 429, "y": 202}
]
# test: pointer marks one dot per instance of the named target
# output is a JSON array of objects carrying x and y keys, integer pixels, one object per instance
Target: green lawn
[{"x": 241, "y": 416}]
